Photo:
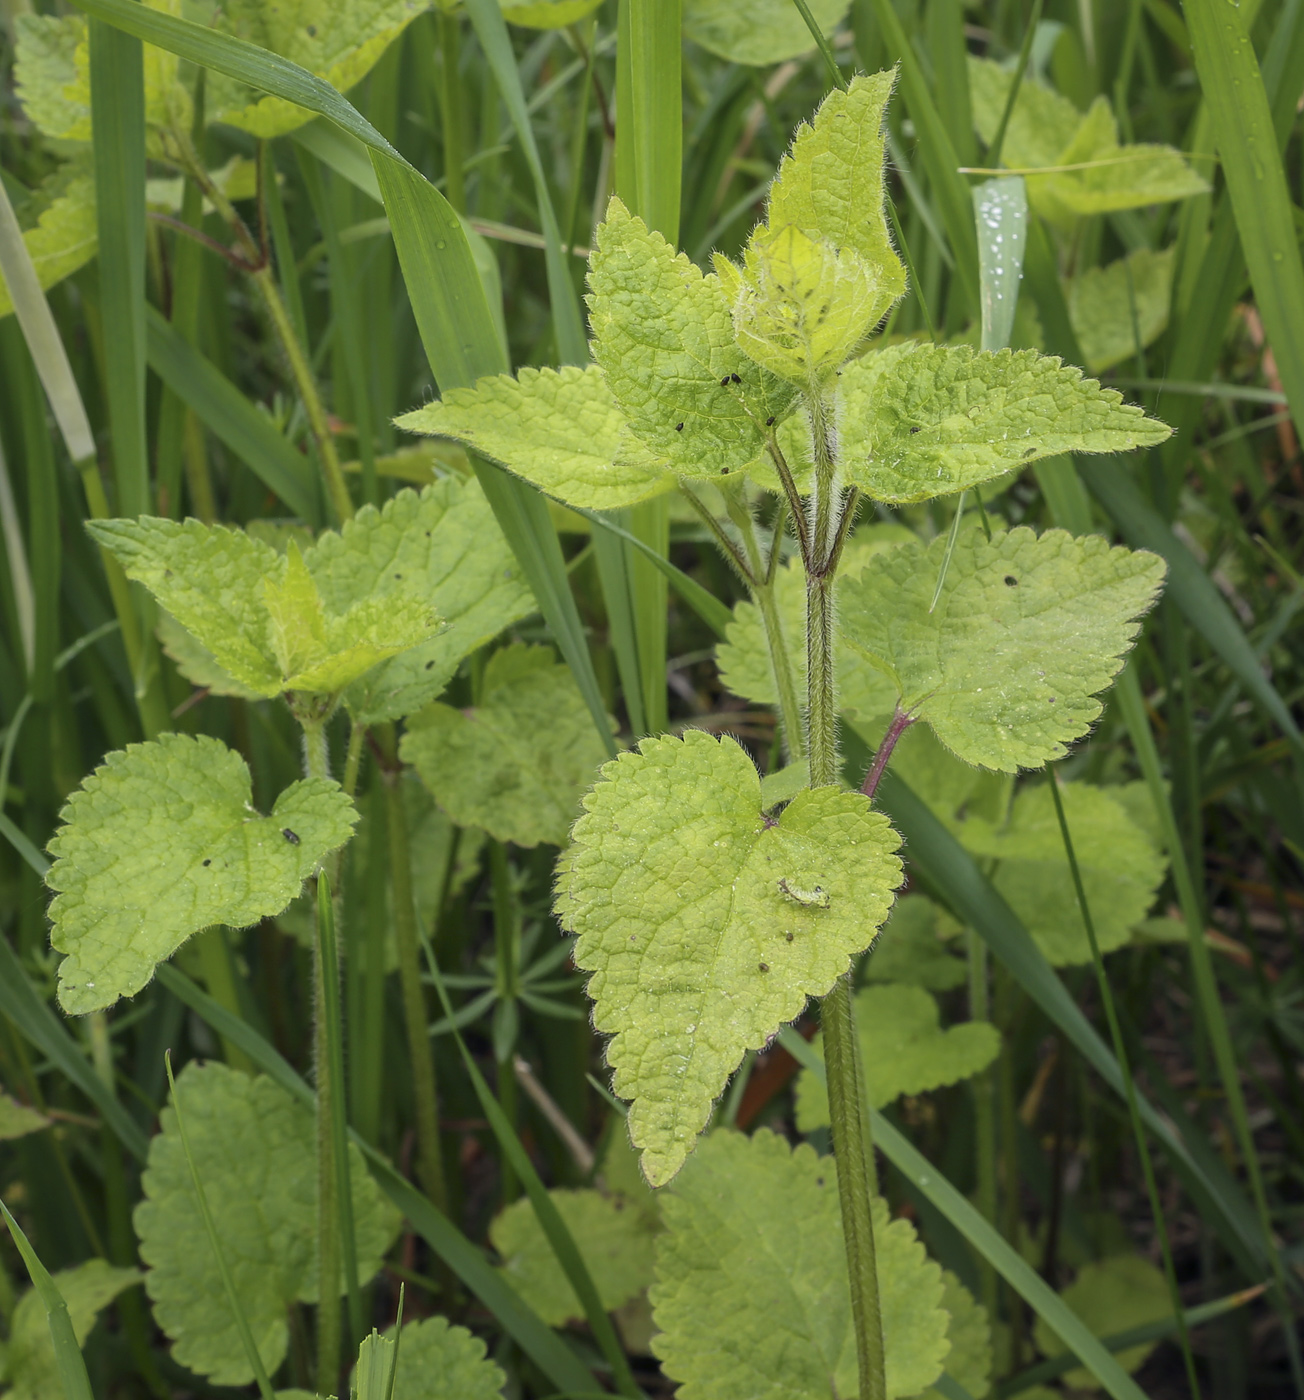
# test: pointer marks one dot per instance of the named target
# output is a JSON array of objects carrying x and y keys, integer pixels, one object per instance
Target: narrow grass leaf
[{"x": 72, "y": 1368}]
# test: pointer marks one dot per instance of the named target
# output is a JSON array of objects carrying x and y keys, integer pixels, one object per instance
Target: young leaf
[
  {"x": 517, "y": 764},
  {"x": 442, "y": 547},
  {"x": 803, "y": 305},
  {"x": 744, "y": 657},
  {"x": 663, "y": 336},
  {"x": 1101, "y": 303},
  {"x": 161, "y": 841},
  {"x": 706, "y": 925},
  {"x": 439, "y": 1361},
  {"x": 830, "y": 184},
  {"x": 969, "y": 1361},
  {"x": 30, "y": 1364},
  {"x": 559, "y": 429},
  {"x": 903, "y": 1050},
  {"x": 1111, "y": 1295},
  {"x": 256, "y": 1149},
  {"x": 751, "y": 1294},
  {"x": 17, "y": 1120},
  {"x": 338, "y": 40},
  {"x": 910, "y": 950},
  {"x": 1121, "y": 867},
  {"x": 615, "y": 1235},
  {"x": 1026, "y": 632},
  {"x": 758, "y": 33},
  {"x": 919, "y": 421}
]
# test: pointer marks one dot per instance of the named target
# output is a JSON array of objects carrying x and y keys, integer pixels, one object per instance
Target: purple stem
[{"x": 901, "y": 721}]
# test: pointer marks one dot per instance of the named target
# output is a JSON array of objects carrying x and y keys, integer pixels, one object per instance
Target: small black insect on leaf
[
  {"x": 679, "y": 427},
  {"x": 769, "y": 422},
  {"x": 763, "y": 967},
  {"x": 1031, "y": 452},
  {"x": 735, "y": 379},
  {"x": 915, "y": 430},
  {"x": 1011, "y": 581},
  {"x": 208, "y": 862},
  {"x": 724, "y": 383},
  {"x": 291, "y": 836}
]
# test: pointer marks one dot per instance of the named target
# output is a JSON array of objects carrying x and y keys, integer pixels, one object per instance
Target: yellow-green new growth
[
  {"x": 673, "y": 883},
  {"x": 162, "y": 840}
]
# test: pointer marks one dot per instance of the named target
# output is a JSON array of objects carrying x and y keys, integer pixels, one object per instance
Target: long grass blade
[
  {"x": 983, "y": 1236},
  {"x": 467, "y": 1261},
  {"x": 67, "y": 1354}
]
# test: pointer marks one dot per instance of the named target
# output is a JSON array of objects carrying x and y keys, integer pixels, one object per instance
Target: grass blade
[
  {"x": 465, "y": 1259},
  {"x": 67, "y": 1354},
  {"x": 983, "y": 1236},
  {"x": 225, "y": 411},
  {"x": 1243, "y": 129}
]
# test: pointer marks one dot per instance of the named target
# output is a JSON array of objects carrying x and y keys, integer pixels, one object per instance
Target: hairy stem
[
  {"x": 852, "y": 1149},
  {"x": 794, "y": 734},
  {"x": 901, "y": 721},
  {"x": 430, "y": 1166}
]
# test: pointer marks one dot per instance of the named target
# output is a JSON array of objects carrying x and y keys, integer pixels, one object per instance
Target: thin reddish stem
[{"x": 901, "y": 721}]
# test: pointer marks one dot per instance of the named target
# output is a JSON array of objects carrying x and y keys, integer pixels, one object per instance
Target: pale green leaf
[
  {"x": 17, "y": 1120},
  {"x": 744, "y": 657},
  {"x": 161, "y": 841},
  {"x": 751, "y": 1293},
  {"x": 1028, "y": 630},
  {"x": 804, "y": 306},
  {"x": 1046, "y": 129},
  {"x": 1111, "y": 1295},
  {"x": 903, "y": 1050},
  {"x": 1101, "y": 306},
  {"x": 758, "y": 33},
  {"x": 830, "y": 184},
  {"x": 911, "y": 950},
  {"x": 196, "y": 663},
  {"x": 919, "y": 421},
  {"x": 546, "y": 14},
  {"x": 338, "y": 40},
  {"x": 255, "y": 1149},
  {"x": 663, "y": 336},
  {"x": 440, "y": 1361},
  {"x": 970, "y": 1359},
  {"x": 518, "y": 762},
  {"x": 1120, "y": 864},
  {"x": 32, "y": 1369},
  {"x": 559, "y": 429},
  {"x": 615, "y": 1236},
  {"x": 64, "y": 235},
  {"x": 688, "y": 905},
  {"x": 442, "y": 547}
]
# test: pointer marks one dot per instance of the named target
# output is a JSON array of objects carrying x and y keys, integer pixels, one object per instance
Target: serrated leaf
[
  {"x": 338, "y": 40},
  {"x": 919, "y": 421},
  {"x": 759, "y": 33},
  {"x": 969, "y": 1361},
  {"x": 903, "y": 1050},
  {"x": 1111, "y": 1295},
  {"x": 518, "y": 762},
  {"x": 31, "y": 1368},
  {"x": 64, "y": 236},
  {"x": 744, "y": 657},
  {"x": 830, "y": 184},
  {"x": 911, "y": 950},
  {"x": 440, "y": 1361},
  {"x": 17, "y": 1120},
  {"x": 663, "y": 337},
  {"x": 559, "y": 429},
  {"x": 161, "y": 841},
  {"x": 196, "y": 663},
  {"x": 1027, "y": 631},
  {"x": 804, "y": 306},
  {"x": 1046, "y": 129},
  {"x": 1120, "y": 864},
  {"x": 615, "y": 1236},
  {"x": 255, "y": 1149},
  {"x": 546, "y": 14},
  {"x": 687, "y": 902},
  {"x": 751, "y": 1293},
  {"x": 1101, "y": 304}
]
